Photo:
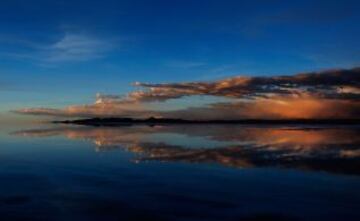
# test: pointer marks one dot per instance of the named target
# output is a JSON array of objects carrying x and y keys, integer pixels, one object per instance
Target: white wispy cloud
[
  {"x": 77, "y": 47},
  {"x": 70, "y": 46}
]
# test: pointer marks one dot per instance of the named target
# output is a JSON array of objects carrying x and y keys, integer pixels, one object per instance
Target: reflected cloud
[{"x": 334, "y": 150}]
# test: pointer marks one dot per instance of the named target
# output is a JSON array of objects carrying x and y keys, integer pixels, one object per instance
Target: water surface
[{"x": 184, "y": 172}]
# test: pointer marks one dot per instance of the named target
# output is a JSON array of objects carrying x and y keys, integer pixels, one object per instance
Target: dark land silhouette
[{"x": 160, "y": 121}]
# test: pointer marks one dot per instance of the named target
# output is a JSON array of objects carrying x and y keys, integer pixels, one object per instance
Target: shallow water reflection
[
  {"x": 180, "y": 173},
  {"x": 308, "y": 148}
]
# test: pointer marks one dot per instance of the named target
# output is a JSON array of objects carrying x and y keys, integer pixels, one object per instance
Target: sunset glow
[{"x": 179, "y": 110}]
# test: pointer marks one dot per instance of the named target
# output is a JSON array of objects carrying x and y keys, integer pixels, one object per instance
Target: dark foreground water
[{"x": 180, "y": 173}]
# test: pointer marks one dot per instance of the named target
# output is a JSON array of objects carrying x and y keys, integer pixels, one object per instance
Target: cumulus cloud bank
[
  {"x": 344, "y": 84},
  {"x": 326, "y": 94}
]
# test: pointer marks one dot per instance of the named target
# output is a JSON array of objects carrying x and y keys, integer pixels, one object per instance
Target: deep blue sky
[{"x": 56, "y": 53}]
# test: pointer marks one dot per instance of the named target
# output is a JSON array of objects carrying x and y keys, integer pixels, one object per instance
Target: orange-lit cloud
[
  {"x": 279, "y": 108},
  {"x": 342, "y": 84},
  {"x": 327, "y": 94}
]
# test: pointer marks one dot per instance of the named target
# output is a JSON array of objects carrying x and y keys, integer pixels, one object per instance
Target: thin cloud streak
[
  {"x": 71, "y": 46},
  {"x": 76, "y": 47}
]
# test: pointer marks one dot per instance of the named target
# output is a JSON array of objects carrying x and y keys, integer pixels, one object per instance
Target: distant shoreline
[{"x": 169, "y": 121}]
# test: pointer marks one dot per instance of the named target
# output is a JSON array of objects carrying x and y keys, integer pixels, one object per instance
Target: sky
[{"x": 88, "y": 58}]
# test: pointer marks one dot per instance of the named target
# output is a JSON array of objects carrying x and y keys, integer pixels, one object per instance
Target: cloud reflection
[{"x": 325, "y": 149}]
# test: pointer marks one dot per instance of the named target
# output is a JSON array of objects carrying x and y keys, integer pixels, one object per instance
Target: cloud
[
  {"x": 106, "y": 109},
  {"x": 328, "y": 84},
  {"x": 76, "y": 47},
  {"x": 327, "y": 94},
  {"x": 275, "y": 108},
  {"x": 71, "y": 46}
]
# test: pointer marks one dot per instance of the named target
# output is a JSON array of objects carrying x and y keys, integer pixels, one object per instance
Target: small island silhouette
[{"x": 116, "y": 121}]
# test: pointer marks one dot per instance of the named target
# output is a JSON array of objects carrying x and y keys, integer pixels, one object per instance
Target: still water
[{"x": 180, "y": 173}]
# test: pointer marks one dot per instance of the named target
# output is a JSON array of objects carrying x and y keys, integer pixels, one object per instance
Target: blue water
[{"x": 179, "y": 173}]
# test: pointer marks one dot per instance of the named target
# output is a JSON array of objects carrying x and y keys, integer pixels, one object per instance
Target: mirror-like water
[{"x": 180, "y": 173}]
